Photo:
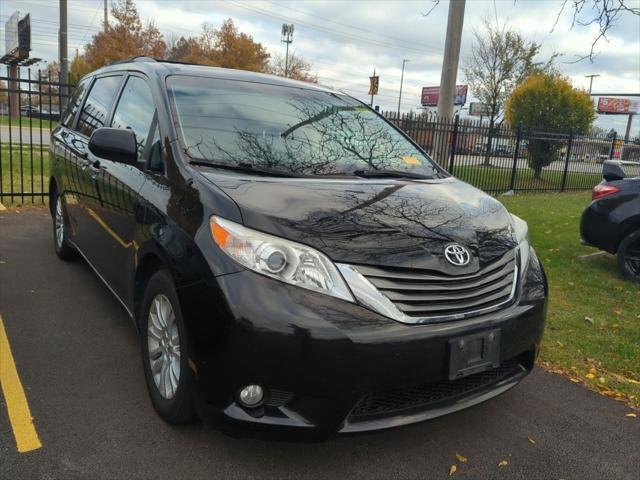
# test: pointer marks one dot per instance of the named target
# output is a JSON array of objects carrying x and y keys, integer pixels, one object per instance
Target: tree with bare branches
[
  {"x": 298, "y": 68},
  {"x": 605, "y": 14},
  {"x": 500, "y": 59}
]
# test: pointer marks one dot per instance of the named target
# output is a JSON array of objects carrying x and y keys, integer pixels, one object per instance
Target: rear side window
[
  {"x": 94, "y": 112},
  {"x": 135, "y": 111},
  {"x": 74, "y": 103}
]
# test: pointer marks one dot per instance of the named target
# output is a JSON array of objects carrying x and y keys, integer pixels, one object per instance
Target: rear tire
[
  {"x": 60, "y": 225},
  {"x": 165, "y": 352},
  {"x": 629, "y": 256}
]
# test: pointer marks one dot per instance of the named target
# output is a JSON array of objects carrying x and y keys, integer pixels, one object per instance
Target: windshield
[{"x": 296, "y": 131}]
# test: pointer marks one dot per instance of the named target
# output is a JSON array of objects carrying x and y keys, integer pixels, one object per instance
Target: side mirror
[{"x": 115, "y": 144}]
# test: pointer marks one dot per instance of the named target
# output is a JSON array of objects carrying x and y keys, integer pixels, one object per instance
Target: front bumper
[{"x": 331, "y": 366}]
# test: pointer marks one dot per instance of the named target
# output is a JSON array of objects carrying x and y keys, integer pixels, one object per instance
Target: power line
[
  {"x": 321, "y": 29},
  {"x": 377, "y": 34}
]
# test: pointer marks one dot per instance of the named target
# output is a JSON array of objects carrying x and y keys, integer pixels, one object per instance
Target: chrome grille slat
[
  {"x": 426, "y": 293},
  {"x": 433, "y": 286},
  {"x": 455, "y": 295},
  {"x": 408, "y": 274},
  {"x": 445, "y": 306}
]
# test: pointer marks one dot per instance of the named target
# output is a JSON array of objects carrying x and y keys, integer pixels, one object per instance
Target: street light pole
[
  {"x": 590, "y": 77},
  {"x": 401, "y": 81}
]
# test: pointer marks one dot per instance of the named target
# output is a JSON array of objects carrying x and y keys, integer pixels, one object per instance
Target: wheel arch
[
  {"x": 629, "y": 226},
  {"x": 53, "y": 189},
  {"x": 150, "y": 260}
]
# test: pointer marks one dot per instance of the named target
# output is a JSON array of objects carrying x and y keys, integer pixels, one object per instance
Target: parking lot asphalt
[{"x": 77, "y": 356}]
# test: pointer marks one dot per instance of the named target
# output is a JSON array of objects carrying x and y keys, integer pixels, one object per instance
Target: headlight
[
  {"x": 521, "y": 230},
  {"x": 278, "y": 258}
]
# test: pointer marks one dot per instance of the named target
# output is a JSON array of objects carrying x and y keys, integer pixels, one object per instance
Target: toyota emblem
[{"x": 457, "y": 255}]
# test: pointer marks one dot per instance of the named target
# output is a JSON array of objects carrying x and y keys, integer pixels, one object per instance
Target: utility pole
[
  {"x": 591, "y": 77},
  {"x": 106, "y": 15},
  {"x": 628, "y": 130},
  {"x": 287, "y": 38},
  {"x": 451, "y": 57},
  {"x": 63, "y": 56},
  {"x": 449, "y": 72},
  {"x": 401, "y": 81}
]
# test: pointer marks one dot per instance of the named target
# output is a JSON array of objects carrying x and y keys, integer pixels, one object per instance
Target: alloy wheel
[
  {"x": 163, "y": 341},
  {"x": 59, "y": 223},
  {"x": 632, "y": 257}
]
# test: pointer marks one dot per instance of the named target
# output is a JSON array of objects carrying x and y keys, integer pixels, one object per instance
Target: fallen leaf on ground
[
  {"x": 590, "y": 376},
  {"x": 531, "y": 440},
  {"x": 452, "y": 470},
  {"x": 574, "y": 380},
  {"x": 503, "y": 463},
  {"x": 589, "y": 319},
  {"x": 461, "y": 458},
  {"x": 631, "y": 415},
  {"x": 602, "y": 380}
]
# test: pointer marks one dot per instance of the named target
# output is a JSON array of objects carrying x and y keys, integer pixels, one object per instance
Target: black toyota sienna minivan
[{"x": 291, "y": 260}]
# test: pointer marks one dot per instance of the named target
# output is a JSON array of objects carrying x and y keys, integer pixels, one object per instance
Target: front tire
[
  {"x": 165, "y": 351},
  {"x": 60, "y": 224},
  {"x": 629, "y": 256}
]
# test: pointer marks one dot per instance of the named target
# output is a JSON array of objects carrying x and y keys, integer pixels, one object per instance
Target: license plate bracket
[{"x": 474, "y": 353}]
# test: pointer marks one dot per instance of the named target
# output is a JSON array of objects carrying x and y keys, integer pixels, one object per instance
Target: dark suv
[
  {"x": 291, "y": 260},
  {"x": 611, "y": 222}
]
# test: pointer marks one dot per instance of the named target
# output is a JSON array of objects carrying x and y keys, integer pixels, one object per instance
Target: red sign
[
  {"x": 430, "y": 95},
  {"x": 621, "y": 106}
]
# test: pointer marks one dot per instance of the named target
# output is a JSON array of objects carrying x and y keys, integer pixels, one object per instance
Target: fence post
[
  {"x": 566, "y": 161},
  {"x": 454, "y": 142},
  {"x": 516, "y": 154},
  {"x": 613, "y": 144}
]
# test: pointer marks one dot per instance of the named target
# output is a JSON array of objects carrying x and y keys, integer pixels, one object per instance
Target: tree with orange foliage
[
  {"x": 124, "y": 38},
  {"x": 224, "y": 47},
  {"x": 189, "y": 50},
  {"x": 234, "y": 49}
]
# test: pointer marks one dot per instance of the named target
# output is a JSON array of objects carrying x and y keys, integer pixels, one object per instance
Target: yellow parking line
[{"x": 19, "y": 414}]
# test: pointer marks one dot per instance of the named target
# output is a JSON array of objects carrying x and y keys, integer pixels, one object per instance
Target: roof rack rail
[
  {"x": 178, "y": 62},
  {"x": 134, "y": 59}
]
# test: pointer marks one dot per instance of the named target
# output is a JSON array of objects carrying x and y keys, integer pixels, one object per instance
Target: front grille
[
  {"x": 400, "y": 400},
  {"x": 426, "y": 293}
]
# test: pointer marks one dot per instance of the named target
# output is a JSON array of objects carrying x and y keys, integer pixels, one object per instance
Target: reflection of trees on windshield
[{"x": 326, "y": 140}]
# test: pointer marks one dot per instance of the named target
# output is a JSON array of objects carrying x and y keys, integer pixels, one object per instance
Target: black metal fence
[
  {"x": 495, "y": 159},
  {"x": 500, "y": 159},
  {"x": 30, "y": 106}
]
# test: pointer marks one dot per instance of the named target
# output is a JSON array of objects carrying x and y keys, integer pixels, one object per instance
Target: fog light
[{"x": 251, "y": 396}]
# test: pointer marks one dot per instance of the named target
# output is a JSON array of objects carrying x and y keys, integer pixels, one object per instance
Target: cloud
[{"x": 345, "y": 41}]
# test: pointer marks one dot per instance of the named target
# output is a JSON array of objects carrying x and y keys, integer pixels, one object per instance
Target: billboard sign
[
  {"x": 479, "y": 109},
  {"x": 618, "y": 106},
  {"x": 17, "y": 38},
  {"x": 430, "y": 95},
  {"x": 11, "y": 43},
  {"x": 24, "y": 37}
]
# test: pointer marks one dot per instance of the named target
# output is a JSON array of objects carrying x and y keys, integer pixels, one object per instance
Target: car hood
[{"x": 394, "y": 223}]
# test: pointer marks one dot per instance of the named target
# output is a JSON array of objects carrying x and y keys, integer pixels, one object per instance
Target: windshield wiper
[
  {"x": 243, "y": 167},
  {"x": 382, "y": 173}
]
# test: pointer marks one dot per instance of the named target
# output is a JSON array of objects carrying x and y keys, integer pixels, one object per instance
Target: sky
[{"x": 346, "y": 40}]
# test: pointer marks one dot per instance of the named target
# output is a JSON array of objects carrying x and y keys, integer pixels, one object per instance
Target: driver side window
[{"x": 135, "y": 111}]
